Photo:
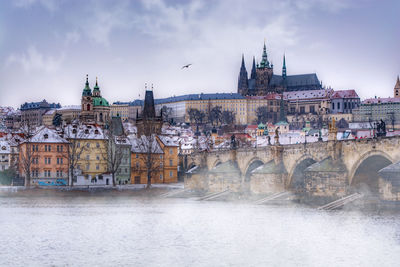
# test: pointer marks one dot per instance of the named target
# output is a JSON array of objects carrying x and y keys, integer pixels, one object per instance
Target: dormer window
[
  {"x": 96, "y": 131},
  {"x": 86, "y": 131},
  {"x": 74, "y": 131},
  {"x": 45, "y": 136},
  {"x": 3, "y": 148}
]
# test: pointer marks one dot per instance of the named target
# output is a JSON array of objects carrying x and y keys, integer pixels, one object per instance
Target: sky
[{"x": 48, "y": 46}]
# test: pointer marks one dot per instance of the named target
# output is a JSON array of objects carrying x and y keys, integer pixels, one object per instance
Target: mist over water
[{"x": 111, "y": 230}]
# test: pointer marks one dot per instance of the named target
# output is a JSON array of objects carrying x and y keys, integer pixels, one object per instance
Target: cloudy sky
[{"x": 48, "y": 46}]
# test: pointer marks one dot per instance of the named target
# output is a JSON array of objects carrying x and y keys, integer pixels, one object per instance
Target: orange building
[
  {"x": 159, "y": 154},
  {"x": 48, "y": 158}
]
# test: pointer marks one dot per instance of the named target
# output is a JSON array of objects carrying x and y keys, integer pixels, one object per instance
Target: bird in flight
[{"x": 186, "y": 66}]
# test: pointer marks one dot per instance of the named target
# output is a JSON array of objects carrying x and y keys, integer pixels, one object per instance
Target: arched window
[
  {"x": 101, "y": 117},
  {"x": 88, "y": 107}
]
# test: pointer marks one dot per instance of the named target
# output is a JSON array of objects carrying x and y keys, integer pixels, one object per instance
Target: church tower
[
  {"x": 243, "y": 83},
  {"x": 87, "y": 113},
  {"x": 397, "y": 88},
  {"x": 264, "y": 72}
]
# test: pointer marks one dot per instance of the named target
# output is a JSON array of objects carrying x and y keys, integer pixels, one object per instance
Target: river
[{"x": 128, "y": 230}]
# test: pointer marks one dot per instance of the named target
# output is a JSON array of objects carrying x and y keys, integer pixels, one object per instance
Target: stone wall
[
  {"x": 267, "y": 183},
  {"x": 326, "y": 184}
]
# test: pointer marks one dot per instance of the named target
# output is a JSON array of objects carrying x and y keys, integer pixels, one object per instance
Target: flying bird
[{"x": 186, "y": 66}]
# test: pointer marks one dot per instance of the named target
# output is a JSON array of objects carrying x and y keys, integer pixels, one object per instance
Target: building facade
[
  {"x": 48, "y": 156},
  {"x": 32, "y": 113},
  {"x": 344, "y": 101}
]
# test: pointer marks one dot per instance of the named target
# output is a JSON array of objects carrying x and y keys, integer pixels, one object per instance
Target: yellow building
[
  {"x": 120, "y": 109},
  {"x": 91, "y": 149},
  {"x": 244, "y": 108}
]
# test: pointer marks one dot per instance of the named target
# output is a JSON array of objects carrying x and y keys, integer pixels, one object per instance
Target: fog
[{"x": 132, "y": 229}]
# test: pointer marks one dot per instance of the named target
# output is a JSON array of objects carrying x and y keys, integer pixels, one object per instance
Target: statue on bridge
[
  {"x": 380, "y": 128},
  {"x": 233, "y": 142},
  {"x": 276, "y": 138}
]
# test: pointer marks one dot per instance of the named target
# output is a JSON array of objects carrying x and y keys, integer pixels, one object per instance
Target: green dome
[
  {"x": 100, "y": 101},
  {"x": 261, "y": 126}
]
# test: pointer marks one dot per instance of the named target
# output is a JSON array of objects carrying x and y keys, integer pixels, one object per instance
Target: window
[
  {"x": 137, "y": 165},
  {"x": 137, "y": 156},
  {"x": 78, "y": 144},
  {"x": 58, "y": 148},
  {"x": 47, "y": 160},
  {"x": 333, "y": 105},
  {"x": 87, "y": 157},
  {"x": 126, "y": 170},
  {"x": 161, "y": 164},
  {"x": 171, "y": 174},
  {"x": 170, "y": 162},
  {"x": 161, "y": 157},
  {"x": 87, "y": 167},
  {"x": 87, "y": 145},
  {"x": 97, "y": 157},
  {"x": 97, "y": 167},
  {"x": 171, "y": 151},
  {"x": 97, "y": 144},
  {"x": 161, "y": 176},
  {"x": 302, "y": 110},
  {"x": 312, "y": 109},
  {"x": 338, "y": 105}
]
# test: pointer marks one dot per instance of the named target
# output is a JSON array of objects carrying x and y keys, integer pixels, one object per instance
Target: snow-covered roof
[
  {"x": 309, "y": 94},
  {"x": 82, "y": 131},
  {"x": 345, "y": 94},
  {"x": 168, "y": 141},
  {"x": 4, "y": 147},
  {"x": 141, "y": 145},
  {"x": 46, "y": 135}
]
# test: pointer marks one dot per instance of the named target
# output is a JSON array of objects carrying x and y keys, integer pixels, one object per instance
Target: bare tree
[
  {"x": 262, "y": 114},
  {"x": 215, "y": 115},
  {"x": 166, "y": 113},
  {"x": 73, "y": 134},
  {"x": 114, "y": 153},
  {"x": 196, "y": 116},
  {"x": 28, "y": 152},
  {"x": 228, "y": 117}
]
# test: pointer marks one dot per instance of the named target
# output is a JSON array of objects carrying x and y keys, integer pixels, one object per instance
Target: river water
[{"x": 110, "y": 230}]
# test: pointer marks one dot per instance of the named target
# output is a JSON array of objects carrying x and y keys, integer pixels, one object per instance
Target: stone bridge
[{"x": 331, "y": 168}]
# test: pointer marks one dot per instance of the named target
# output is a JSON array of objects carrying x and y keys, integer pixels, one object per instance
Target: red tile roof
[{"x": 345, "y": 94}]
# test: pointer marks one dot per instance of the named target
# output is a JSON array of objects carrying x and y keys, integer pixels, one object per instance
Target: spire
[
  {"x": 397, "y": 83},
  {"x": 87, "y": 91},
  {"x": 284, "y": 67},
  {"x": 96, "y": 87},
  {"x": 264, "y": 61},
  {"x": 243, "y": 82},
  {"x": 149, "y": 111},
  {"x": 253, "y": 69}
]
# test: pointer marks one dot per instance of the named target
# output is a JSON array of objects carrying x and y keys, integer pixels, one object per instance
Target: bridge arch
[
  {"x": 216, "y": 163},
  {"x": 253, "y": 164},
  {"x": 364, "y": 173},
  {"x": 296, "y": 175}
]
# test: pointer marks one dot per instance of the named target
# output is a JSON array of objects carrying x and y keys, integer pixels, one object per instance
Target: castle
[
  {"x": 263, "y": 80},
  {"x": 95, "y": 108}
]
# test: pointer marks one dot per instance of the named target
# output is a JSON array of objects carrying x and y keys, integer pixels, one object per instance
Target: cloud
[
  {"x": 33, "y": 60},
  {"x": 51, "y": 5},
  {"x": 72, "y": 37}
]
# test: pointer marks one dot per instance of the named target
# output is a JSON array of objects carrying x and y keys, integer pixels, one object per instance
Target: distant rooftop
[{"x": 345, "y": 94}]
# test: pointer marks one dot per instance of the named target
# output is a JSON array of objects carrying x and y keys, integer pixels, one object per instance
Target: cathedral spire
[
  {"x": 243, "y": 83},
  {"x": 284, "y": 67},
  {"x": 264, "y": 61},
  {"x": 253, "y": 70}
]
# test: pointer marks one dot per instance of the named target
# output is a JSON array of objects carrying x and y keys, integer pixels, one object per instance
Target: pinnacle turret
[
  {"x": 284, "y": 67},
  {"x": 253, "y": 70},
  {"x": 243, "y": 84}
]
